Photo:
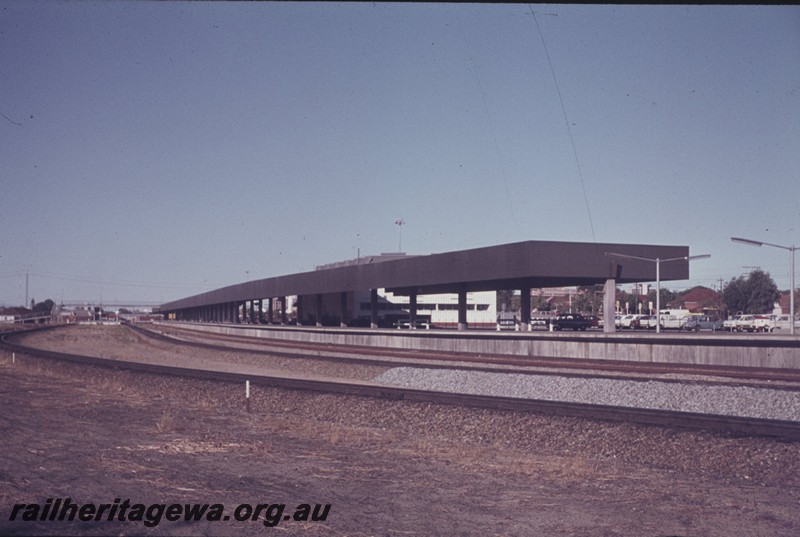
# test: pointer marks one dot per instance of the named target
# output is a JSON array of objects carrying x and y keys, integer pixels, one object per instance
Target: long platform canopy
[{"x": 528, "y": 264}]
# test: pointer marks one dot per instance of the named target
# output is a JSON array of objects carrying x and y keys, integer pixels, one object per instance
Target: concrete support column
[
  {"x": 269, "y": 310},
  {"x": 283, "y": 310},
  {"x": 373, "y": 301},
  {"x": 412, "y": 308},
  {"x": 252, "y": 318},
  {"x": 462, "y": 309},
  {"x": 301, "y": 310},
  {"x": 319, "y": 309},
  {"x": 609, "y": 302},
  {"x": 260, "y": 315},
  {"x": 343, "y": 309},
  {"x": 525, "y": 307}
]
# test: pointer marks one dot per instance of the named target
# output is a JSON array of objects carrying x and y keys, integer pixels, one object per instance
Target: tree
[
  {"x": 506, "y": 301},
  {"x": 540, "y": 303},
  {"x": 667, "y": 297},
  {"x": 43, "y": 307},
  {"x": 755, "y": 294},
  {"x": 589, "y": 299}
]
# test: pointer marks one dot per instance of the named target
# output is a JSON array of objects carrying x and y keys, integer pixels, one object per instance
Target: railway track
[
  {"x": 747, "y": 376},
  {"x": 787, "y": 430}
]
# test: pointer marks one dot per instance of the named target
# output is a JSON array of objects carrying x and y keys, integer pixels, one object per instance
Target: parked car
[
  {"x": 705, "y": 322},
  {"x": 674, "y": 322},
  {"x": 729, "y": 324},
  {"x": 540, "y": 323},
  {"x": 571, "y": 321},
  {"x": 764, "y": 323},
  {"x": 594, "y": 319},
  {"x": 745, "y": 323},
  {"x": 629, "y": 321},
  {"x": 782, "y": 322},
  {"x": 416, "y": 325},
  {"x": 648, "y": 322}
]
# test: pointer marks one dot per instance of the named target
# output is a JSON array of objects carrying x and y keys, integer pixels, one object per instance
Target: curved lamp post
[
  {"x": 791, "y": 249},
  {"x": 658, "y": 262}
]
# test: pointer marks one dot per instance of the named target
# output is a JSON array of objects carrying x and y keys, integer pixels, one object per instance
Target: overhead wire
[
  {"x": 84, "y": 279},
  {"x": 491, "y": 124},
  {"x": 566, "y": 121}
]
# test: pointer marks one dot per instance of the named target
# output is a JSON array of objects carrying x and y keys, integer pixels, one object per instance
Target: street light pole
[
  {"x": 658, "y": 262},
  {"x": 791, "y": 249},
  {"x": 400, "y": 223}
]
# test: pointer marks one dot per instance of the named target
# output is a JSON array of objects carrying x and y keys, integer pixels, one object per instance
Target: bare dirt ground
[{"x": 386, "y": 468}]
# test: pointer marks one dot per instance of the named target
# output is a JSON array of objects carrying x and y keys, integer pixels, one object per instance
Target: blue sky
[{"x": 150, "y": 151}]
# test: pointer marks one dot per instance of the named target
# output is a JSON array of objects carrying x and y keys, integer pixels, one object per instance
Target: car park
[
  {"x": 764, "y": 323},
  {"x": 570, "y": 321},
  {"x": 745, "y": 323},
  {"x": 540, "y": 322},
  {"x": 729, "y": 324},
  {"x": 673, "y": 322},
  {"x": 594, "y": 319},
  {"x": 415, "y": 325},
  {"x": 647, "y": 322},
  {"x": 629, "y": 321},
  {"x": 755, "y": 323},
  {"x": 782, "y": 322},
  {"x": 695, "y": 323}
]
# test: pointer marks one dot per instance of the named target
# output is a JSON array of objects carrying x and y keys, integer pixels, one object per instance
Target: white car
[
  {"x": 647, "y": 322},
  {"x": 782, "y": 322},
  {"x": 764, "y": 323},
  {"x": 730, "y": 323},
  {"x": 745, "y": 323},
  {"x": 628, "y": 320}
]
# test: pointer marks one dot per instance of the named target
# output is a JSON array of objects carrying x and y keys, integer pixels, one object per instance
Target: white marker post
[{"x": 247, "y": 393}]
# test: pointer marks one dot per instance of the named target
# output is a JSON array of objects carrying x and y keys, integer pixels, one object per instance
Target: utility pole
[{"x": 26, "y": 289}]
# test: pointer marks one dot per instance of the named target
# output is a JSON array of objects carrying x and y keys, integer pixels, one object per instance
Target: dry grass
[{"x": 168, "y": 422}]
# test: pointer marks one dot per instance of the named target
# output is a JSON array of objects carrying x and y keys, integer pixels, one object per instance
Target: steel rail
[
  {"x": 782, "y": 429},
  {"x": 577, "y": 364},
  {"x": 424, "y": 360}
]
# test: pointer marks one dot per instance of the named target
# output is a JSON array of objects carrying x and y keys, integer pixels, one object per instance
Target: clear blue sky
[{"x": 150, "y": 150}]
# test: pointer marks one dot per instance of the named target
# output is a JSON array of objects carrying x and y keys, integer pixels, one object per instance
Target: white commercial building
[{"x": 440, "y": 310}]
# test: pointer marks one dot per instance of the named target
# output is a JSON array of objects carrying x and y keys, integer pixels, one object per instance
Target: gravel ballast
[{"x": 741, "y": 401}]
